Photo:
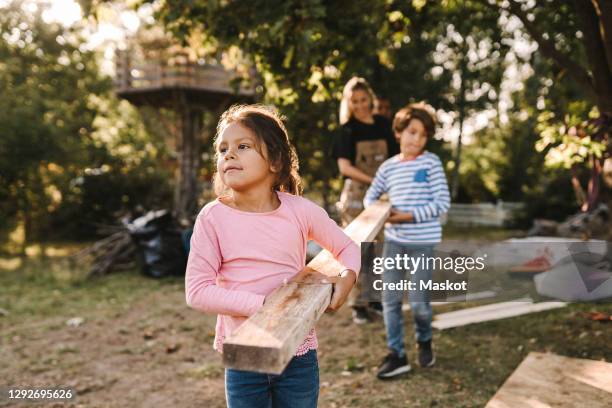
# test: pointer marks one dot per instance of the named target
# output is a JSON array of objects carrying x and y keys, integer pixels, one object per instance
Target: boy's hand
[
  {"x": 398, "y": 216},
  {"x": 342, "y": 287}
]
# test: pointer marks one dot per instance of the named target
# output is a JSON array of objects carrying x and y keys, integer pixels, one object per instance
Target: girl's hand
[
  {"x": 342, "y": 287},
  {"x": 398, "y": 216}
]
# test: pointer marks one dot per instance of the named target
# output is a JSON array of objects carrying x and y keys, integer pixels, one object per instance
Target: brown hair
[
  {"x": 421, "y": 111},
  {"x": 267, "y": 125}
]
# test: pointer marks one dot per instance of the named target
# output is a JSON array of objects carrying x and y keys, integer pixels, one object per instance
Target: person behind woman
[
  {"x": 251, "y": 240},
  {"x": 382, "y": 107},
  {"x": 363, "y": 142}
]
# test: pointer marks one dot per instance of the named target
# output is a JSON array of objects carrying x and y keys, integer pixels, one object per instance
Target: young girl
[{"x": 253, "y": 238}]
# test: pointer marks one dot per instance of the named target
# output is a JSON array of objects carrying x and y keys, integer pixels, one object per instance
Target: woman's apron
[{"x": 369, "y": 155}]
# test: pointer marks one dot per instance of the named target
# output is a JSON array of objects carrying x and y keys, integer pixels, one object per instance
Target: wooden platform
[
  {"x": 494, "y": 311},
  {"x": 550, "y": 380},
  {"x": 158, "y": 84}
]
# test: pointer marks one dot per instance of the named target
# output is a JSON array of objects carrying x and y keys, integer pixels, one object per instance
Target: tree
[
  {"x": 305, "y": 51},
  {"x": 71, "y": 156},
  {"x": 302, "y": 52},
  {"x": 567, "y": 34},
  {"x": 45, "y": 111}
]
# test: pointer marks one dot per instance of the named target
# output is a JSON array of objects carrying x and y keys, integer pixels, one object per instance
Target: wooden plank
[
  {"x": 549, "y": 380},
  {"x": 470, "y": 297},
  {"x": 267, "y": 341},
  {"x": 491, "y": 312},
  {"x": 479, "y": 310}
]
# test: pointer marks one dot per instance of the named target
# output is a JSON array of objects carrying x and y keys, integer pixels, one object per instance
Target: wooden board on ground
[
  {"x": 494, "y": 311},
  {"x": 469, "y": 297},
  {"x": 549, "y": 380},
  {"x": 267, "y": 341}
]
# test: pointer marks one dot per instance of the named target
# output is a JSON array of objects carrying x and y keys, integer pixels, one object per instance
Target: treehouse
[
  {"x": 155, "y": 83},
  {"x": 162, "y": 75}
]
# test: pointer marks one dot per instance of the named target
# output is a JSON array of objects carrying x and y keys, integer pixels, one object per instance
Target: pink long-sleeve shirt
[{"x": 238, "y": 257}]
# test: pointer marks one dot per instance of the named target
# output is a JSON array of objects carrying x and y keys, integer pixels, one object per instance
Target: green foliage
[
  {"x": 304, "y": 52},
  {"x": 568, "y": 142},
  {"x": 70, "y": 155},
  {"x": 551, "y": 197},
  {"x": 45, "y": 111},
  {"x": 123, "y": 176}
]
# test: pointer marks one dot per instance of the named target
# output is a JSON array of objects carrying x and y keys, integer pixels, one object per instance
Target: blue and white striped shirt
[{"x": 418, "y": 186}]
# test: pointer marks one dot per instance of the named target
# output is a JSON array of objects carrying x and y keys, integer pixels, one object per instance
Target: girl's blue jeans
[
  {"x": 419, "y": 299},
  {"x": 296, "y": 387}
]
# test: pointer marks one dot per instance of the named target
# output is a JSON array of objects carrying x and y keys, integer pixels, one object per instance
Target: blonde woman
[{"x": 363, "y": 143}]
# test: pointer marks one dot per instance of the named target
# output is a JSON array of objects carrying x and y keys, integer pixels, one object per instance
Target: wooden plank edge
[
  {"x": 271, "y": 360},
  {"x": 504, "y": 314}
]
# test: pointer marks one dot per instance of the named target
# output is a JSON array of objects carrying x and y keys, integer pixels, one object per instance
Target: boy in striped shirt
[{"x": 418, "y": 192}]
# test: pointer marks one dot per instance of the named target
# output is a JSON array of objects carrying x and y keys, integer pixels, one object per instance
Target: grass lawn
[{"x": 132, "y": 342}]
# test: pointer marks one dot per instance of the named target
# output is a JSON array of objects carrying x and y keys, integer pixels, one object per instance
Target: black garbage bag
[{"x": 160, "y": 244}]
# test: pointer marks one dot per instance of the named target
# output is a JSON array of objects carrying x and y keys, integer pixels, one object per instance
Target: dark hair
[
  {"x": 267, "y": 125},
  {"x": 421, "y": 111}
]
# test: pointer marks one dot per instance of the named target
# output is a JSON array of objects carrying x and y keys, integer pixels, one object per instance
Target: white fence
[{"x": 483, "y": 214}]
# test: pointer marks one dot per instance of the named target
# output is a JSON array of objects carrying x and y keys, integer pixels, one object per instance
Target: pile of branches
[
  {"x": 117, "y": 252},
  {"x": 153, "y": 241},
  {"x": 594, "y": 224}
]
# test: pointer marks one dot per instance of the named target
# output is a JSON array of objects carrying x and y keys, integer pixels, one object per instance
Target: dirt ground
[{"x": 125, "y": 340}]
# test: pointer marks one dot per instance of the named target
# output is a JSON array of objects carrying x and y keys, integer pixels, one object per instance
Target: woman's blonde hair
[
  {"x": 353, "y": 84},
  {"x": 267, "y": 125}
]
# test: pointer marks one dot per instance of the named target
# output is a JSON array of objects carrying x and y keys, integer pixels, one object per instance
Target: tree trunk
[
  {"x": 604, "y": 11},
  {"x": 27, "y": 228},
  {"x": 593, "y": 39},
  {"x": 455, "y": 191},
  {"x": 188, "y": 150},
  {"x": 593, "y": 187},
  {"x": 455, "y": 186},
  {"x": 578, "y": 190}
]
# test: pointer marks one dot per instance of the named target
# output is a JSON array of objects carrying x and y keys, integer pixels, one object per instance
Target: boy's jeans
[
  {"x": 419, "y": 299},
  {"x": 296, "y": 387}
]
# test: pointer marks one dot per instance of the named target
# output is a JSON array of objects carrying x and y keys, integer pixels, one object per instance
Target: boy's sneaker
[
  {"x": 426, "y": 355},
  {"x": 376, "y": 307},
  {"x": 392, "y": 366},
  {"x": 360, "y": 315}
]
